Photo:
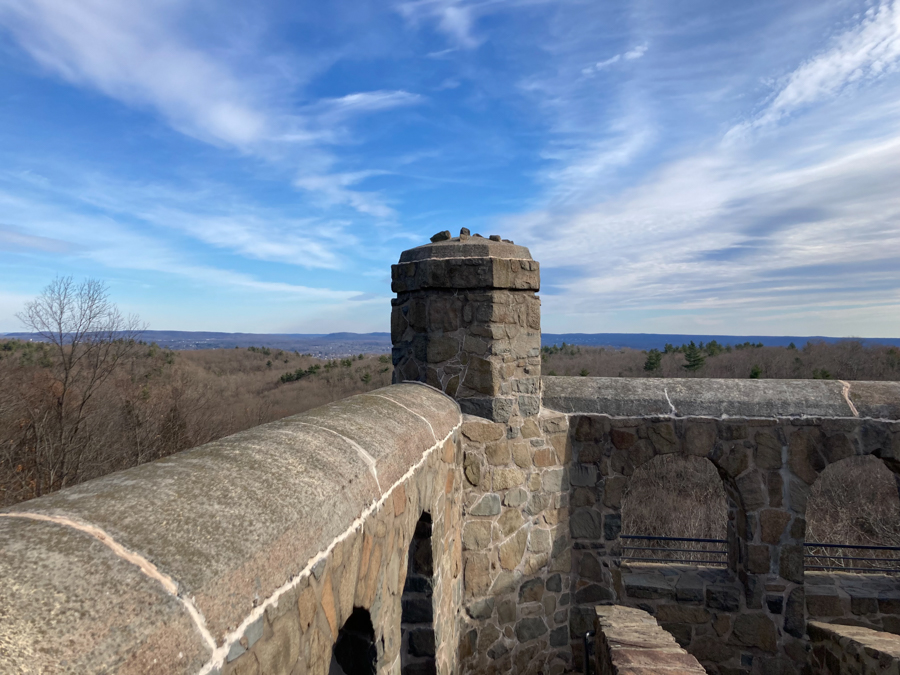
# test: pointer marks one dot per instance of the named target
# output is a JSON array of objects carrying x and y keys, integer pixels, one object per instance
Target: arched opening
[
  {"x": 417, "y": 646},
  {"x": 854, "y": 502},
  {"x": 354, "y": 651},
  {"x": 852, "y": 549},
  {"x": 675, "y": 510}
]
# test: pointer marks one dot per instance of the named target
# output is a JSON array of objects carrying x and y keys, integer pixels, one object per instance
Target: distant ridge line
[
  {"x": 343, "y": 343},
  {"x": 659, "y": 340}
]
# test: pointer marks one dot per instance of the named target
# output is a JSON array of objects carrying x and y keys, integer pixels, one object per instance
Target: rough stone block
[
  {"x": 488, "y": 505},
  {"x": 512, "y": 550},
  {"x": 724, "y": 598},
  {"x": 530, "y": 629},
  {"x": 649, "y": 586},
  {"x": 531, "y": 591},
  {"x": 476, "y": 535},
  {"x": 554, "y": 480},
  {"x": 754, "y": 630},
  {"x": 503, "y": 479},
  {"x": 585, "y": 524}
]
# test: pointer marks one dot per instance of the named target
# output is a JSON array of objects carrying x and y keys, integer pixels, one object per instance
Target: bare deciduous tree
[{"x": 89, "y": 339}]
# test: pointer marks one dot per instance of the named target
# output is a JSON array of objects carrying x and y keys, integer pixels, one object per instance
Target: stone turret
[{"x": 467, "y": 321}]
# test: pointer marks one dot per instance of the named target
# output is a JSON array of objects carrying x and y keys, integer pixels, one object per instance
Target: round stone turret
[{"x": 466, "y": 320}]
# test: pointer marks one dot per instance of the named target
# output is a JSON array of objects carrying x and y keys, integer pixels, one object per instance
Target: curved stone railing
[
  {"x": 702, "y": 397},
  {"x": 180, "y": 565}
]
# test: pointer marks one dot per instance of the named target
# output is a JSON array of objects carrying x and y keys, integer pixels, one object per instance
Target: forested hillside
[{"x": 56, "y": 431}]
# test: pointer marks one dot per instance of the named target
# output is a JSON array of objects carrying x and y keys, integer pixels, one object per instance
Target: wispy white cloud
[
  {"x": 137, "y": 54},
  {"x": 863, "y": 53},
  {"x": 366, "y": 102},
  {"x": 333, "y": 189},
  {"x": 141, "y": 55},
  {"x": 115, "y": 246},
  {"x": 630, "y": 55},
  {"x": 454, "y": 18},
  {"x": 791, "y": 231},
  {"x": 14, "y": 239}
]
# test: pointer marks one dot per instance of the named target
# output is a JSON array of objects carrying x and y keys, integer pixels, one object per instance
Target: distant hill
[
  {"x": 321, "y": 345},
  {"x": 333, "y": 345},
  {"x": 659, "y": 340}
]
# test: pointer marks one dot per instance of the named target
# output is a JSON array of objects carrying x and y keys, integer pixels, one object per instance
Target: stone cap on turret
[{"x": 466, "y": 262}]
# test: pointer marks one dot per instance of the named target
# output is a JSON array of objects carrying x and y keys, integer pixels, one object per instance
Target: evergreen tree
[
  {"x": 654, "y": 361},
  {"x": 694, "y": 356}
]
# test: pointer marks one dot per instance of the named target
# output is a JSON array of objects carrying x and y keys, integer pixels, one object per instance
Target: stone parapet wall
[
  {"x": 866, "y": 600},
  {"x": 630, "y": 642},
  {"x": 838, "y": 650},
  {"x": 767, "y": 466},
  {"x": 244, "y": 555}
]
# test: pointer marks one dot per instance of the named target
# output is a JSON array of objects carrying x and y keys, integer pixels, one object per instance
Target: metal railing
[
  {"x": 691, "y": 550},
  {"x": 831, "y": 557},
  {"x": 713, "y": 552}
]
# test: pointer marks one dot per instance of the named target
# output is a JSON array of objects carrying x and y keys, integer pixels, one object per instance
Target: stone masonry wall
[
  {"x": 752, "y": 616},
  {"x": 517, "y": 557},
  {"x": 837, "y": 650},
  {"x": 368, "y": 569},
  {"x": 245, "y": 555}
]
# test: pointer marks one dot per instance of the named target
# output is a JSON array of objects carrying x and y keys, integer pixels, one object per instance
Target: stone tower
[{"x": 467, "y": 321}]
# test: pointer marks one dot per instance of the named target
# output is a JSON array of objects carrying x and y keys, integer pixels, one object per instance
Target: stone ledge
[
  {"x": 852, "y": 649},
  {"x": 229, "y": 522},
  {"x": 458, "y": 274},
  {"x": 687, "y": 397},
  {"x": 630, "y": 641},
  {"x": 470, "y": 247}
]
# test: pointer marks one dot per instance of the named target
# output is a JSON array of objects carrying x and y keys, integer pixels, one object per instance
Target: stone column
[{"x": 467, "y": 321}]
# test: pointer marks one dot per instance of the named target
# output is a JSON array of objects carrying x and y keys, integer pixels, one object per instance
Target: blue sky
[{"x": 675, "y": 166}]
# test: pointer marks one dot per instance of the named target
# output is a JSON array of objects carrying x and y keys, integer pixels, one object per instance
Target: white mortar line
[
  {"x": 365, "y": 456},
  {"x": 845, "y": 390},
  {"x": 669, "y": 401},
  {"x": 433, "y": 435},
  {"x": 773, "y": 418},
  {"x": 144, "y": 565},
  {"x": 219, "y": 654}
]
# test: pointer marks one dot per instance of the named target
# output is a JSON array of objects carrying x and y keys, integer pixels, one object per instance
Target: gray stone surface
[
  {"x": 68, "y": 604},
  {"x": 880, "y": 400},
  {"x": 233, "y": 520},
  {"x": 625, "y": 397},
  {"x": 473, "y": 247}
]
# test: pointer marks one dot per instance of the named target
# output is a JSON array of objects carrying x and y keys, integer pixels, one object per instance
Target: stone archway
[{"x": 354, "y": 651}]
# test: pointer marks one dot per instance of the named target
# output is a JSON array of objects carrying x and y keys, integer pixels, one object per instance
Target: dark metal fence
[
  {"x": 852, "y": 558},
  {"x": 689, "y": 550},
  {"x": 714, "y": 553}
]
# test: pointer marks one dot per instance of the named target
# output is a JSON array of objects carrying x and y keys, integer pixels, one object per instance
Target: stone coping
[
  {"x": 867, "y": 600},
  {"x": 469, "y": 247},
  {"x": 630, "y": 642},
  {"x": 707, "y": 397},
  {"x": 853, "y": 649},
  {"x": 173, "y": 555}
]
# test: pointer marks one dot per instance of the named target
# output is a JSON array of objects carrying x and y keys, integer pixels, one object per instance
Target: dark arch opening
[
  {"x": 354, "y": 651},
  {"x": 417, "y": 646},
  {"x": 675, "y": 496},
  {"x": 855, "y": 502}
]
